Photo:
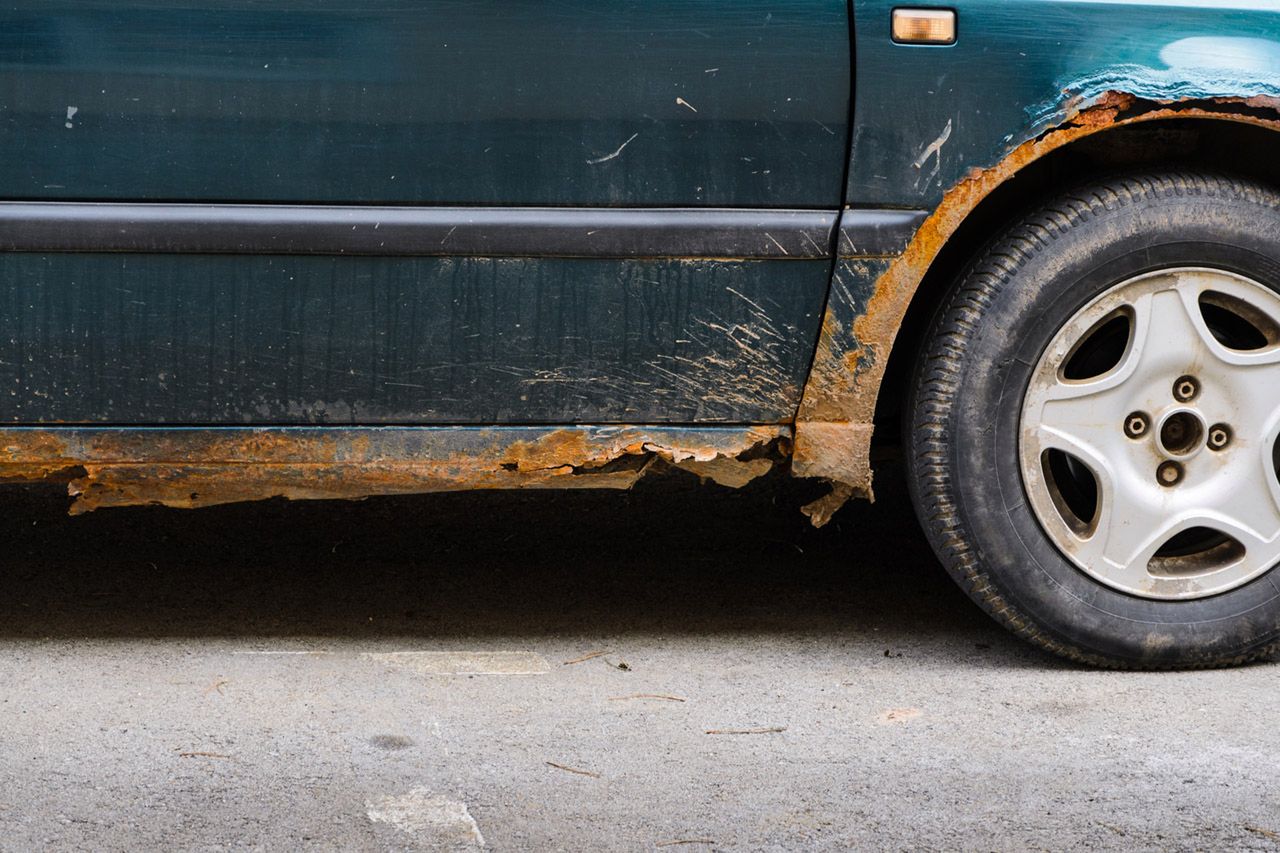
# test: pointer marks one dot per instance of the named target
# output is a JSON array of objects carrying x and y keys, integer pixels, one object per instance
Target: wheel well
[{"x": 1216, "y": 145}]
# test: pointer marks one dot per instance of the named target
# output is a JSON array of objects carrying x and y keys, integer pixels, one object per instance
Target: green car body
[{"x": 322, "y": 249}]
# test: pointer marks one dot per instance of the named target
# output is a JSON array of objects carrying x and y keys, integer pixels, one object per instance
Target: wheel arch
[{"x": 863, "y": 358}]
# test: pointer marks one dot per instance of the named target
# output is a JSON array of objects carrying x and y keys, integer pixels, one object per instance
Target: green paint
[
  {"x": 1015, "y": 67},
  {"x": 426, "y": 101}
]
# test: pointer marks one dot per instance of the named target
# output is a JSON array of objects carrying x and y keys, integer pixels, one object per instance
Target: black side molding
[
  {"x": 587, "y": 232},
  {"x": 877, "y": 232},
  {"x": 465, "y": 231}
]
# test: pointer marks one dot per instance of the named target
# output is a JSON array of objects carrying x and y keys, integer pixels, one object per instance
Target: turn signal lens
[{"x": 924, "y": 26}]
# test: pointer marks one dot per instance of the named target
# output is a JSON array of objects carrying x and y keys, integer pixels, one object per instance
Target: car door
[{"x": 416, "y": 211}]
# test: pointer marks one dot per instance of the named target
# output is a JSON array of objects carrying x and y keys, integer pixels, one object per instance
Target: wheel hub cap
[{"x": 1149, "y": 430}]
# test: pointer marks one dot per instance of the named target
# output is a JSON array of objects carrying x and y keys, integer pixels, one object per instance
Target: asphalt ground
[{"x": 676, "y": 667}]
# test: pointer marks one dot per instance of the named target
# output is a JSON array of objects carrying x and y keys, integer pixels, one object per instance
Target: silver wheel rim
[{"x": 1164, "y": 393}]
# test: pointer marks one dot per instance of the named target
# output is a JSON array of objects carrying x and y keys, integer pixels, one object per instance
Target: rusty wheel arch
[{"x": 849, "y": 387}]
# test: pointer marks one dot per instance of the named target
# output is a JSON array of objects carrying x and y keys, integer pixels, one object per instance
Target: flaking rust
[
  {"x": 832, "y": 433},
  {"x": 834, "y": 424},
  {"x": 195, "y": 468}
]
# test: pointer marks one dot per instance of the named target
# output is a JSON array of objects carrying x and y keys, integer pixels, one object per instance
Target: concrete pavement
[{"x": 677, "y": 667}]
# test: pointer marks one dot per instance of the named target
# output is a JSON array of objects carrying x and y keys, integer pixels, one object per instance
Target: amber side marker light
[{"x": 924, "y": 26}]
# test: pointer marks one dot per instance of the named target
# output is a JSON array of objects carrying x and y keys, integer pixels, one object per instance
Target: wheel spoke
[
  {"x": 1127, "y": 532},
  {"x": 1243, "y": 504},
  {"x": 1169, "y": 335},
  {"x": 1083, "y": 418}
]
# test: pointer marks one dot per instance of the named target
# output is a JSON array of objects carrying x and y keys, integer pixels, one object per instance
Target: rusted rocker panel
[{"x": 202, "y": 467}]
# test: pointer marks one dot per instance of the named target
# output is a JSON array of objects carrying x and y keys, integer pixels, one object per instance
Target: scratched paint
[
  {"x": 156, "y": 339},
  {"x": 691, "y": 341},
  {"x": 426, "y": 102},
  {"x": 1020, "y": 66}
]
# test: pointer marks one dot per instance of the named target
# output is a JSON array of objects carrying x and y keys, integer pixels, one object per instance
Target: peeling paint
[
  {"x": 834, "y": 424},
  {"x": 1182, "y": 83}
]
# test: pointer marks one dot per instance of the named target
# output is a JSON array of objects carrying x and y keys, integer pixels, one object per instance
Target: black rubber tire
[{"x": 965, "y": 403}]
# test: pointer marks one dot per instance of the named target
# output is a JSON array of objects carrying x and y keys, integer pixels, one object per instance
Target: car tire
[{"x": 1022, "y": 338}]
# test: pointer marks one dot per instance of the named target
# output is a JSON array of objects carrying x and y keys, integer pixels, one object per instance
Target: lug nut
[
  {"x": 1169, "y": 474},
  {"x": 1185, "y": 388},
  {"x": 1219, "y": 436},
  {"x": 1136, "y": 425}
]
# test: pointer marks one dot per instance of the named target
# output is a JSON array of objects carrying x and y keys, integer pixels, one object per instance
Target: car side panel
[
  {"x": 273, "y": 339},
  {"x": 588, "y": 102},
  {"x": 928, "y": 115},
  {"x": 375, "y": 110},
  {"x": 940, "y": 127}
]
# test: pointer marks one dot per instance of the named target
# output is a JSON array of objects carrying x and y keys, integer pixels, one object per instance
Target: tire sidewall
[{"x": 1037, "y": 296}]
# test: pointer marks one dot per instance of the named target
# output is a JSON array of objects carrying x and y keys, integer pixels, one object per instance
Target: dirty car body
[{"x": 321, "y": 250}]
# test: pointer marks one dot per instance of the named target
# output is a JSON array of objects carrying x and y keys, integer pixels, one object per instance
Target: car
[{"x": 330, "y": 250}]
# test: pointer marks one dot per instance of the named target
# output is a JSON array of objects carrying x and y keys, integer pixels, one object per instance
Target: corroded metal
[
  {"x": 202, "y": 467},
  {"x": 869, "y": 298},
  {"x": 868, "y": 301}
]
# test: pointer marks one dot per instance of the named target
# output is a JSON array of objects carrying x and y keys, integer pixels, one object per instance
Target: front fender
[{"x": 940, "y": 128}]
